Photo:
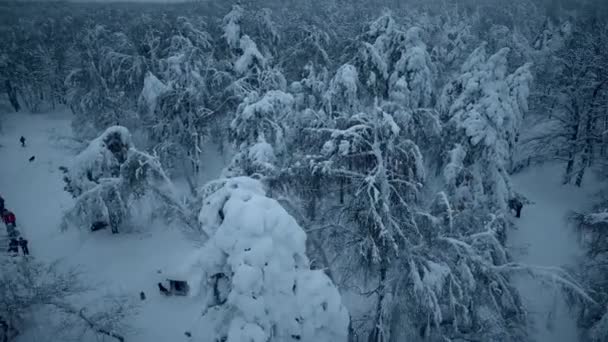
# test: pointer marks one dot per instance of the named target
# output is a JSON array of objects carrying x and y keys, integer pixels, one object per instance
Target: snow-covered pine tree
[
  {"x": 383, "y": 172},
  {"x": 180, "y": 121},
  {"x": 258, "y": 252},
  {"x": 118, "y": 186},
  {"x": 482, "y": 109},
  {"x": 259, "y": 132},
  {"x": 104, "y": 81}
]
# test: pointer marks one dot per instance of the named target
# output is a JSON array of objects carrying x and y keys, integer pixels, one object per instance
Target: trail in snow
[
  {"x": 123, "y": 263},
  {"x": 545, "y": 238}
]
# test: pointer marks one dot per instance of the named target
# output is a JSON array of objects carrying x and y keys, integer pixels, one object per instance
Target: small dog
[
  {"x": 32, "y": 158},
  {"x": 163, "y": 289}
]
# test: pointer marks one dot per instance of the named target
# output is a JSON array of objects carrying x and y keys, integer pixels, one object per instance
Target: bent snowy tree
[
  {"x": 119, "y": 186},
  {"x": 259, "y": 252}
]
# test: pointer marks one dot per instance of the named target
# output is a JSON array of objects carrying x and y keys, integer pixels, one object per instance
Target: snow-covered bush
[
  {"x": 272, "y": 293},
  {"x": 118, "y": 186}
]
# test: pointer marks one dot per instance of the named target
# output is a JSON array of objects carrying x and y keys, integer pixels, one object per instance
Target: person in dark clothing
[
  {"x": 515, "y": 204},
  {"x": 142, "y": 295},
  {"x": 12, "y": 231},
  {"x": 13, "y": 246},
  {"x": 163, "y": 289},
  {"x": 32, "y": 158},
  {"x": 2, "y": 204},
  {"x": 22, "y": 140},
  {"x": 23, "y": 243}
]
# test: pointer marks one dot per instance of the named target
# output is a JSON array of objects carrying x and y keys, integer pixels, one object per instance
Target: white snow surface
[
  {"x": 122, "y": 263},
  {"x": 545, "y": 238}
]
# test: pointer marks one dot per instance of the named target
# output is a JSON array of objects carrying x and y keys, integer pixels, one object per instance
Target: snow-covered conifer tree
[
  {"x": 118, "y": 186},
  {"x": 483, "y": 107},
  {"x": 258, "y": 252}
]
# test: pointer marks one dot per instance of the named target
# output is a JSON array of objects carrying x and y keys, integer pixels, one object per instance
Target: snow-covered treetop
[
  {"x": 197, "y": 37},
  {"x": 152, "y": 90},
  {"x": 232, "y": 26},
  {"x": 262, "y": 117},
  {"x": 251, "y": 57},
  {"x": 273, "y": 295},
  {"x": 411, "y": 82},
  {"x": 101, "y": 159},
  {"x": 342, "y": 92},
  {"x": 487, "y": 103}
]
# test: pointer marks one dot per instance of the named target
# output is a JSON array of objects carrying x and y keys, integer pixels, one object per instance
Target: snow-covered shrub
[
  {"x": 261, "y": 251},
  {"x": 117, "y": 185}
]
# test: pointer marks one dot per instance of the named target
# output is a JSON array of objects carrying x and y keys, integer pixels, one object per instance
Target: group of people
[{"x": 16, "y": 240}]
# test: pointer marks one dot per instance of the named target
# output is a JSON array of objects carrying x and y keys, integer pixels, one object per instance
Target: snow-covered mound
[{"x": 261, "y": 250}]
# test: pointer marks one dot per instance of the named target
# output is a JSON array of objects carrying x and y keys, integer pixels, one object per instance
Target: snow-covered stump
[{"x": 272, "y": 294}]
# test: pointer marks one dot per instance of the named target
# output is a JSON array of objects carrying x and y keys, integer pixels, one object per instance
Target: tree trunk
[
  {"x": 378, "y": 333},
  {"x": 12, "y": 95},
  {"x": 571, "y": 157},
  {"x": 587, "y": 152}
]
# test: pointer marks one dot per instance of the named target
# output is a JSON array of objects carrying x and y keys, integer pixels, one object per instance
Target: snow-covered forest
[{"x": 304, "y": 170}]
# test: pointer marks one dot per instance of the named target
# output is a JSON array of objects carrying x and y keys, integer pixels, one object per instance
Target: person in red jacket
[{"x": 9, "y": 218}]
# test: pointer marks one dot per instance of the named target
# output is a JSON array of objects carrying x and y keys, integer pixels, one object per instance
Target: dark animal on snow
[
  {"x": 515, "y": 204},
  {"x": 32, "y": 158}
]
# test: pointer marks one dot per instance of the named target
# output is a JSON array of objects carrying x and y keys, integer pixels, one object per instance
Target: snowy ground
[
  {"x": 125, "y": 264},
  {"x": 544, "y": 238}
]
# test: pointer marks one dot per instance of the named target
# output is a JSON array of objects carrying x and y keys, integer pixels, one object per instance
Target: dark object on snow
[
  {"x": 142, "y": 295},
  {"x": 187, "y": 333},
  {"x": 13, "y": 246},
  {"x": 515, "y": 204},
  {"x": 12, "y": 231},
  {"x": 98, "y": 225},
  {"x": 163, "y": 290},
  {"x": 1, "y": 204},
  {"x": 23, "y": 243},
  {"x": 179, "y": 287},
  {"x": 22, "y": 140},
  {"x": 12, "y": 95},
  {"x": 32, "y": 158}
]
